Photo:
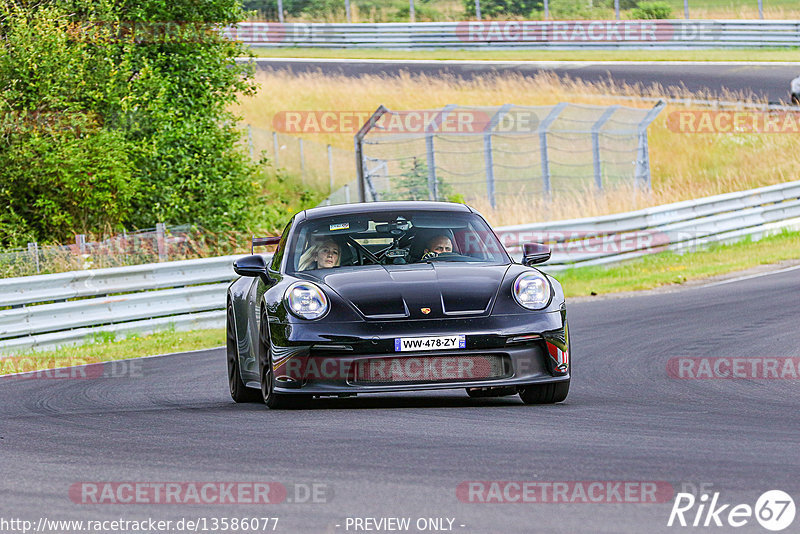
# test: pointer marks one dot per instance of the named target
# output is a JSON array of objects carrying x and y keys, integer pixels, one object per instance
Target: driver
[
  {"x": 322, "y": 254},
  {"x": 437, "y": 245}
]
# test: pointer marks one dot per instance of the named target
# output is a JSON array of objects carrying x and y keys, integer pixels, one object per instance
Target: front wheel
[
  {"x": 274, "y": 401},
  {"x": 239, "y": 392},
  {"x": 544, "y": 393}
]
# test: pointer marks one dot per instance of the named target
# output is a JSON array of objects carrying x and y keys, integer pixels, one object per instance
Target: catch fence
[{"x": 505, "y": 152}]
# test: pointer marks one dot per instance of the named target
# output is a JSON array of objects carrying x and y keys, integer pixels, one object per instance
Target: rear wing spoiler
[{"x": 264, "y": 241}]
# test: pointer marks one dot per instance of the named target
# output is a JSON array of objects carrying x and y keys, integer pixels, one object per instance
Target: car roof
[{"x": 371, "y": 207}]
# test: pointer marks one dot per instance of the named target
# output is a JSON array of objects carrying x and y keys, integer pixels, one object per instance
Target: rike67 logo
[{"x": 774, "y": 510}]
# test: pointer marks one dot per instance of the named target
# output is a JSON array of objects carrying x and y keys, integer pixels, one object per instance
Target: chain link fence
[
  {"x": 162, "y": 243},
  {"x": 321, "y": 166},
  {"x": 496, "y": 153}
]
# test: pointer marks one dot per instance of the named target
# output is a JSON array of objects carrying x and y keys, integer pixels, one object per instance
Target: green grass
[
  {"x": 742, "y": 54},
  {"x": 104, "y": 347},
  {"x": 668, "y": 268}
]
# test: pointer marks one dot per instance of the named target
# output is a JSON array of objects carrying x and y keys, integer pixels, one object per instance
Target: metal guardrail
[
  {"x": 679, "y": 226},
  {"x": 599, "y": 34},
  {"x": 190, "y": 294}
]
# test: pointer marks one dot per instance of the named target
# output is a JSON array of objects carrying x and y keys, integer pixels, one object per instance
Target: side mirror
[
  {"x": 533, "y": 253},
  {"x": 251, "y": 266}
]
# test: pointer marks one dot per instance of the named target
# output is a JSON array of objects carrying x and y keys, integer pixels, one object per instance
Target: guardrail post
[
  {"x": 598, "y": 171},
  {"x": 275, "y": 147},
  {"x": 33, "y": 251},
  {"x": 542, "y": 130},
  {"x": 161, "y": 243}
]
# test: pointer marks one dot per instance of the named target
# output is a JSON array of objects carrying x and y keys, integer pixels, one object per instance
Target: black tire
[
  {"x": 544, "y": 393},
  {"x": 239, "y": 392},
  {"x": 274, "y": 401}
]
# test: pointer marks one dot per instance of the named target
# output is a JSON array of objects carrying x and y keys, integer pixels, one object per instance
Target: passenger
[
  {"x": 437, "y": 245},
  {"x": 323, "y": 254},
  {"x": 795, "y": 88}
]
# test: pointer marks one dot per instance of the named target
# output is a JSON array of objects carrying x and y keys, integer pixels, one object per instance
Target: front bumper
[{"x": 318, "y": 358}]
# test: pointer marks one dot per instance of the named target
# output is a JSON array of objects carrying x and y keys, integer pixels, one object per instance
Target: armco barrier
[
  {"x": 51, "y": 310},
  {"x": 599, "y": 34}
]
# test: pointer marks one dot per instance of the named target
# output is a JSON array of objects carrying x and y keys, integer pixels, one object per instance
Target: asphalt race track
[
  {"x": 405, "y": 455},
  {"x": 763, "y": 80}
]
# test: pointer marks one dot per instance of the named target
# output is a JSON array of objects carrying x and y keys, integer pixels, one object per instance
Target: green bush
[
  {"x": 499, "y": 8},
  {"x": 652, "y": 10},
  {"x": 111, "y": 123}
]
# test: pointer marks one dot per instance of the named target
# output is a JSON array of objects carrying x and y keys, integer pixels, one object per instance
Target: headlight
[
  {"x": 306, "y": 300},
  {"x": 531, "y": 291}
]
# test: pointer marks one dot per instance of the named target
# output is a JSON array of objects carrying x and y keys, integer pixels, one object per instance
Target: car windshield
[{"x": 393, "y": 238}]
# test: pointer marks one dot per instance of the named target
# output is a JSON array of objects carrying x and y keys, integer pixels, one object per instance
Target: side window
[{"x": 278, "y": 256}]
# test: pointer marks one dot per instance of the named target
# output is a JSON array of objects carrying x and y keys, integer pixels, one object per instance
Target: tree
[{"x": 116, "y": 114}]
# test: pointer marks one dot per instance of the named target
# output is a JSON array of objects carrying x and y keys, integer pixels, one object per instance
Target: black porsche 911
[{"x": 394, "y": 296}]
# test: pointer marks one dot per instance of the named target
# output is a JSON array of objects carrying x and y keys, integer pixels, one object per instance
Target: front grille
[{"x": 467, "y": 367}]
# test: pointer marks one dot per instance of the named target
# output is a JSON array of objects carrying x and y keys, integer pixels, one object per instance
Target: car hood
[{"x": 417, "y": 291}]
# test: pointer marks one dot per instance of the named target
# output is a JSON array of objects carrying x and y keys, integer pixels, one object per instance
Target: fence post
[
  {"x": 33, "y": 250},
  {"x": 542, "y": 130},
  {"x": 80, "y": 240},
  {"x": 347, "y": 193},
  {"x": 275, "y": 147},
  {"x": 478, "y": 9},
  {"x": 330, "y": 171},
  {"x": 161, "y": 242},
  {"x": 411, "y": 11},
  {"x": 546, "y": 10},
  {"x": 347, "y": 10},
  {"x": 642, "y": 172},
  {"x": 280, "y": 11},
  {"x": 616, "y": 9},
  {"x": 760, "y": 9},
  {"x": 359, "y": 149},
  {"x": 302, "y": 161},
  {"x": 431, "y": 159},
  {"x": 488, "y": 157},
  {"x": 686, "y": 9},
  {"x": 598, "y": 171},
  {"x": 250, "y": 140}
]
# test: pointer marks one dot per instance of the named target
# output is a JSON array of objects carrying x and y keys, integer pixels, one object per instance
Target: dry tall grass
[{"x": 683, "y": 166}]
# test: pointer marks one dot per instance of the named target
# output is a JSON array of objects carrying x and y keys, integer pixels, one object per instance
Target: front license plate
[{"x": 406, "y": 344}]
